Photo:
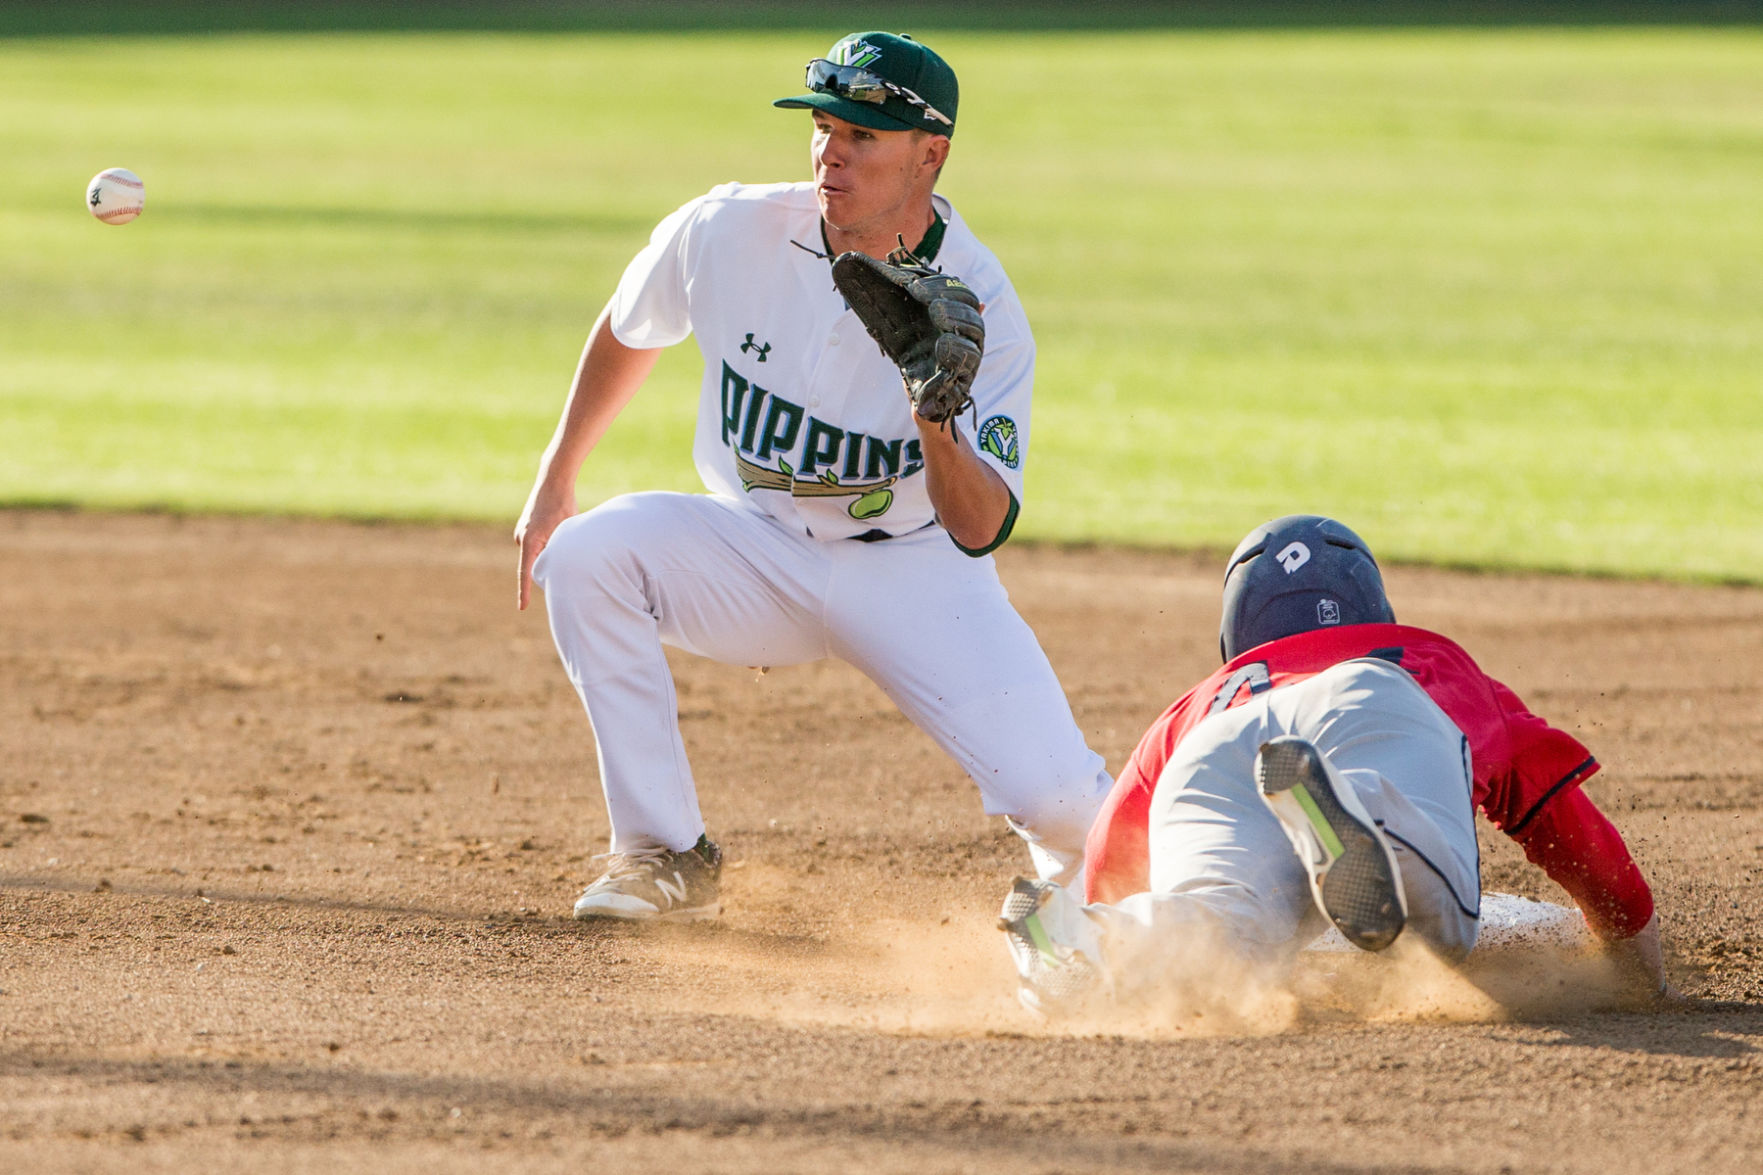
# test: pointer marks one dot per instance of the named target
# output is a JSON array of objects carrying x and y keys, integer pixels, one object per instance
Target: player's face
[{"x": 868, "y": 178}]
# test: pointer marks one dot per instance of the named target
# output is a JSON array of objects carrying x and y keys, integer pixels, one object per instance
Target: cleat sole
[{"x": 1353, "y": 873}]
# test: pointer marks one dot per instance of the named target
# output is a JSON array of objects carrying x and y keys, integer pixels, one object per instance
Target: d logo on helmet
[{"x": 1293, "y": 556}]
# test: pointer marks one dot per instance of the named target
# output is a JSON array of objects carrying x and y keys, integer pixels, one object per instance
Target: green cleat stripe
[
  {"x": 1039, "y": 937},
  {"x": 1330, "y": 841}
]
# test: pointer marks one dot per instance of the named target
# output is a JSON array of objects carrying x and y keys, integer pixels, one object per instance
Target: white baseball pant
[{"x": 931, "y": 626}]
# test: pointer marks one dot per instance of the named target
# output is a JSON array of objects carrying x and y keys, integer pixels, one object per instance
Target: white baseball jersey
[{"x": 801, "y": 416}]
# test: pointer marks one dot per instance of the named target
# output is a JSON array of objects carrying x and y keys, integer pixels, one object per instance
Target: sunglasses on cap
[{"x": 859, "y": 85}]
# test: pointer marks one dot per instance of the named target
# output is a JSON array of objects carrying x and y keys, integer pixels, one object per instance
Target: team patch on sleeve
[{"x": 997, "y": 436}]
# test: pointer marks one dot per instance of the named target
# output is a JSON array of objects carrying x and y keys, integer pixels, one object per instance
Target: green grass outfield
[{"x": 1493, "y": 296}]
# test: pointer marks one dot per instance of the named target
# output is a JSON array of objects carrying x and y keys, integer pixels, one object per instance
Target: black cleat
[{"x": 1353, "y": 871}]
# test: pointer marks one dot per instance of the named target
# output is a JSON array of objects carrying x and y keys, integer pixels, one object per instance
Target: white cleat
[
  {"x": 657, "y": 885},
  {"x": 1054, "y": 977}
]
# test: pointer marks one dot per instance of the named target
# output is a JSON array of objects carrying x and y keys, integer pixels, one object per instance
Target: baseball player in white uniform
[{"x": 837, "y": 522}]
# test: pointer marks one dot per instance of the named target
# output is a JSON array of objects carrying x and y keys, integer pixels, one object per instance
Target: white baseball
[{"x": 116, "y": 195}]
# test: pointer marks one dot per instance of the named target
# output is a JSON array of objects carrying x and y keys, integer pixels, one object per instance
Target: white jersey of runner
[{"x": 801, "y": 415}]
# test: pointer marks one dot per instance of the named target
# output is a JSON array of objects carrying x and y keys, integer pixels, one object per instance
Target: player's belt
[{"x": 876, "y": 536}]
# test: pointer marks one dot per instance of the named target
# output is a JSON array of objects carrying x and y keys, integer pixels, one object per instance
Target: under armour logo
[
  {"x": 760, "y": 349},
  {"x": 1293, "y": 557}
]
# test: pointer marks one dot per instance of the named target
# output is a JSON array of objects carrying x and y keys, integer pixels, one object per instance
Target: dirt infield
[{"x": 291, "y": 815}]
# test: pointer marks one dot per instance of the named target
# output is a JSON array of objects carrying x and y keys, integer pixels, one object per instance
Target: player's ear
[{"x": 936, "y": 151}]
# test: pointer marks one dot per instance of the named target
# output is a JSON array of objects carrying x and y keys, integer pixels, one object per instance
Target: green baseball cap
[{"x": 883, "y": 81}]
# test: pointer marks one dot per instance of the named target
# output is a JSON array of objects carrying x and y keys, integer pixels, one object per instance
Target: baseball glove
[{"x": 927, "y": 322}]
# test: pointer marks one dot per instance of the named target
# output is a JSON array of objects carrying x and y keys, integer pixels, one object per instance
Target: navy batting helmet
[{"x": 1295, "y": 574}]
